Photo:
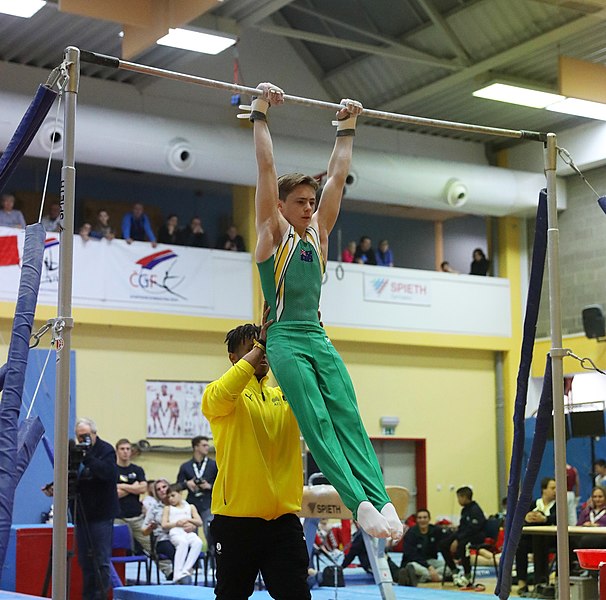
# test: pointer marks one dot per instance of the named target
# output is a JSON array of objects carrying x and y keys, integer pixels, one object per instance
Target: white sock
[
  {"x": 395, "y": 525},
  {"x": 372, "y": 521}
]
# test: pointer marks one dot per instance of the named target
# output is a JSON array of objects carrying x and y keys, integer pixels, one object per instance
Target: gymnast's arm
[
  {"x": 269, "y": 223},
  {"x": 338, "y": 168}
]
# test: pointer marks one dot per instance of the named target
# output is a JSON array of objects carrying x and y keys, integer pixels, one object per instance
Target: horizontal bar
[{"x": 111, "y": 61}]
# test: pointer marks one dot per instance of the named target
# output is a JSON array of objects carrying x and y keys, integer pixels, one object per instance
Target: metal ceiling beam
[
  {"x": 498, "y": 60},
  {"x": 269, "y": 8},
  {"x": 404, "y": 54},
  {"x": 441, "y": 23},
  {"x": 365, "y": 32}
]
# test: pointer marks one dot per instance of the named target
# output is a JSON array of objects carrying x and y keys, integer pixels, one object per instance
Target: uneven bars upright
[{"x": 116, "y": 63}]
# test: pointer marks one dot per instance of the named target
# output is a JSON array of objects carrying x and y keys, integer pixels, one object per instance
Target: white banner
[
  {"x": 173, "y": 409},
  {"x": 397, "y": 290},
  {"x": 116, "y": 275}
]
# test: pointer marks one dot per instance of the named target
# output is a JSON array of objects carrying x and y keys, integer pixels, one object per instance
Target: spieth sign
[{"x": 397, "y": 290}]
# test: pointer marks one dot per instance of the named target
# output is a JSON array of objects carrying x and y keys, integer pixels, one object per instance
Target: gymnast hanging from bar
[{"x": 291, "y": 252}]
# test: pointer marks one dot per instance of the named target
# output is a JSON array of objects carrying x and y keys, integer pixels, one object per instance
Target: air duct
[{"x": 225, "y": 153}]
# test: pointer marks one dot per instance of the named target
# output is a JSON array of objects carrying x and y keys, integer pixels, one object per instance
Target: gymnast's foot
[
  {"x": 395, "y": 525},
  {"x": 372, "y": 521}
]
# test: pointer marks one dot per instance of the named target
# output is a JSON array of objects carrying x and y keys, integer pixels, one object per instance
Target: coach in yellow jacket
[{"x": 259, "y": 486}]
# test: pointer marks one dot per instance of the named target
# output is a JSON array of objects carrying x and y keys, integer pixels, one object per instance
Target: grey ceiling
[{"x": 419, "y": 57}]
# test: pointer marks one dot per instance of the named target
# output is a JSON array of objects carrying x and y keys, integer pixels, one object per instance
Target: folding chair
[{"x": 123, "y": 541}]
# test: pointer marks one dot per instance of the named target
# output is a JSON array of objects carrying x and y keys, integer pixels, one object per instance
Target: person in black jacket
[
  {"x": 93, "y": 505},
  {"x": 421, "y": 549},
  {"x": 470, "y": 531},
  {"x": 480, "y": 263},
  {"x": 542, "y": 512}
]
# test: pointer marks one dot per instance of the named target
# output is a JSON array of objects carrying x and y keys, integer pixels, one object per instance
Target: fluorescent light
[
  {"x": 580, "y": 108},
  {"x": 513, "y": 94},
  {"x": 21, "y": 8},
  {"x": 197, "y": 41}
]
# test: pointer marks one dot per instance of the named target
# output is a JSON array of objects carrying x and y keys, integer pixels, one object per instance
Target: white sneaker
[{"x": 460, "y": 581}]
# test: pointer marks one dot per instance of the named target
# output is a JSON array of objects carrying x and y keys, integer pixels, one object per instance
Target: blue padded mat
[{"x": 190, "y": 592}]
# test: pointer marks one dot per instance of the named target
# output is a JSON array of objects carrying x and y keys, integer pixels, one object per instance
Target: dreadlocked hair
[{"x": 240, "y": 334}]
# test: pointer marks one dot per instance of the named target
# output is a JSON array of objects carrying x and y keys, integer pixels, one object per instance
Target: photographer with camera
[
  {"x": 198, "y": 477},
  {"x": 93, "y": 504}
]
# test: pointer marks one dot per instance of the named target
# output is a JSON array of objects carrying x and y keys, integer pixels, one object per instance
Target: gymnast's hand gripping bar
[{"x": 116, "y": 63}]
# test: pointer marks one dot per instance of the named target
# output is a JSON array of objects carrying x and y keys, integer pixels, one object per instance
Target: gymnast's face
[{"x": 299, "y": 206}]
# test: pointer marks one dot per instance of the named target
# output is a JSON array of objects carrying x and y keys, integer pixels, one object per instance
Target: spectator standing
[
  {"x": 194, "y": 235},
  {"x": 231, "y": 240},
  {"x": 102, "y": 228},
  {"x": 573, "y": 492},
  {"x": 420, "y": 550},
  {"x": 480, "y": 264},
  {"x": 470, "y": 531},
  {"x": 52, "y": 220},
  {"x": 384, "y": 255},
  {"x": 136, "y": 226},
  {"x": 599, "y": 468},
  {"x": 365, "y": 255},
  {"x": 9, "y": 216},
  {"x": 198, "y": 476},
  {"x": 347, "y": 256},
  {"x": 131, "y": 484},
  {"x": 169, "y": 232},
  {"x": 85, "y": 231}
]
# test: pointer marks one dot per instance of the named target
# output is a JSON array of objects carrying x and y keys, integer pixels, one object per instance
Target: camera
[
  {"x": 76, "y": 453},
  {"x": 198, "y": 481}
]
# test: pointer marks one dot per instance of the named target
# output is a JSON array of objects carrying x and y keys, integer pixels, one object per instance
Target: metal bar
[
  {"x": 557, "y": 355},
  {"x": 62, "y": 396},
  {"x": 110, "y": 61}
]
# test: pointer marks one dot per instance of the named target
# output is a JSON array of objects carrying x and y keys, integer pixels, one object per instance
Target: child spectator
[
  {"x": 51, "y": 220},
  {"x": 102, "y": 228},
  {"x": 188, "y": 545},
  {"x": 446, "y": 268},
  {"x": 347, "y": 256},
  {"x": 84, "y": 231},
  {"x": 384, "y": 255}
]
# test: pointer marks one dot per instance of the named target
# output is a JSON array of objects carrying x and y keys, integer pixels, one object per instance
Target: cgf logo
[
  {"x": 50, "y": 266},
  {"x": 155, "y": 274}
]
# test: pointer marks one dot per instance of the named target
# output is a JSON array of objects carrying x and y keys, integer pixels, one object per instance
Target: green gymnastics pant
[{"x": 318, "y": 388}]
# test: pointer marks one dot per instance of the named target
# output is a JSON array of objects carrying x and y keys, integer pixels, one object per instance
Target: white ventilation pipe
[{"x": 225, "y": 153}]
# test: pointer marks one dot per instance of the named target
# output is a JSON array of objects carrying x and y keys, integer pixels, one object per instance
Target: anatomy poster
[{"x": 174, "y": 409}]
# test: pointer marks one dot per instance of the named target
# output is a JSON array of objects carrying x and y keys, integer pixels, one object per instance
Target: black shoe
[
  {"x": 412, "y": 574},
  {"x": 523, "y": 591}
]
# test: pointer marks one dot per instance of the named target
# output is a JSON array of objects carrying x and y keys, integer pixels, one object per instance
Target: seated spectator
[
  {"x": 102, "y": 228},
  {"x": 420, "y": 550},
  {"x": 470, "y": 531},
  {"x": 9, "y": 217},
  {"x": 169, "y": 232},
  {"x": 149, "y": 499},
  {"x": 480, "y": 263},
  {"x": 365, "y": 255},
  {"x": 573, "y": 492},
  {"x": 231, "y": 240},
  {"x": 84, "y": 231},
  {"x": 136, "y": 226},
  {"x": 152, "y": 526},
  {"x": 357, "y": 549},
  {"x": 446, "y": 268},
  {"x": 593, "y": 515},
  {"x": 384, "y": 255},
  {"x": 52, "y": 220},
  {"x": 347, "y": 256},
  {"x": 194, "y": 235},
  {"x": 542, "y": 512}
]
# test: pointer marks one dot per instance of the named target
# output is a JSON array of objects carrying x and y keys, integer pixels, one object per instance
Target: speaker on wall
[{"x": 593, "y": 322}]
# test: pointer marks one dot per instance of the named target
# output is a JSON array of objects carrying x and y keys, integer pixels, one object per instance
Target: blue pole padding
[
  {"x": 30, "y": 432},
  {"x": 3, "y": 369},
  {"x": 25, "y": 132},
  {"x": 33, "y": 252},
  {"x": 602, "y": 203}
]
